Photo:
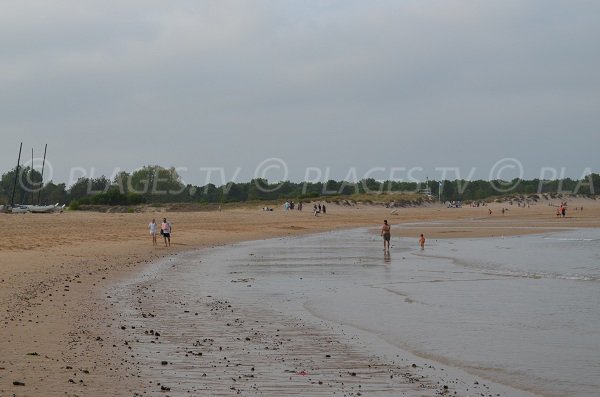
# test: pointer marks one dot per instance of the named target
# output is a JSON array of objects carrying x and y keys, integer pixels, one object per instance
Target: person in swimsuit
[
  {"x": 386, "y": 234},
  {"x": 422, "y": 241},
  {"x": 166, "y": 232}
]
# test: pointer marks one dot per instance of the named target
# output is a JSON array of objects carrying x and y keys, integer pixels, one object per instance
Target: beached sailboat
[
  {"x": 18, "y": 209},
  {"x": 29, "y": 208},
  {"x": 34, "y": 209},
  {"x": 45, "y": 209}
]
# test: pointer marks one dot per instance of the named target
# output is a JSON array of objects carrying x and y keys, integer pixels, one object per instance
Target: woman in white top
[{"x": 152, "y": 227}]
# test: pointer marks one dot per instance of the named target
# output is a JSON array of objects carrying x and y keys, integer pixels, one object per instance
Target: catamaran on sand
[{"x": 32, "y": 208}]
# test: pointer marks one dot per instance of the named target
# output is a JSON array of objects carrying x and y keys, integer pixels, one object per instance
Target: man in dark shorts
[
  {"x": 386, "y": 234},
  {"x": 166, "y": 232}
]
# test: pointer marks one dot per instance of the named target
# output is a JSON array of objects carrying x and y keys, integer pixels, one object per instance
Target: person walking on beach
[
  {"x": 152, "y": 227},
  {"x": 386, "y": 234},
  {"x": 422, "y": 241},
  {"x": 165, "y": 230}
]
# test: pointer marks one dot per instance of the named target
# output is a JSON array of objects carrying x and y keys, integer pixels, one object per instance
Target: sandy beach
[{"x": 61, "y": 330}]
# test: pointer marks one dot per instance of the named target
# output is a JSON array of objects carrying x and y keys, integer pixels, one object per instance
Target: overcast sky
[{"x": 364, "y": 88}]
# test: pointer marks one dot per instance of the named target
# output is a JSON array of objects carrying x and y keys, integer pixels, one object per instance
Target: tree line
[{"x": 156, "y": 184}]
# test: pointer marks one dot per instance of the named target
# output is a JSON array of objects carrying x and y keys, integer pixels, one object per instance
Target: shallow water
[{"x": 520, "y": 311}]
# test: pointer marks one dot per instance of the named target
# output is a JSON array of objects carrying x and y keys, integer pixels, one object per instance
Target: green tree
[
  {"x": 162, "y": 184},
  {"x": 28, "y": 183}
]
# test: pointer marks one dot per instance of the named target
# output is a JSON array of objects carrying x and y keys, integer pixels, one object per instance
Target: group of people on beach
[
  {"x": 165, "y": 230},
  {"x": 386, "y": 233},
  {"x": 317, "y": 208},
  {"x": 290, "y": 205}
]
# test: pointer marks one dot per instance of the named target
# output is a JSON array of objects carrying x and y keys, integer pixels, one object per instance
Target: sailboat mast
[
  {"x": 12, "y": 200},
  {"x": 42, "y": 186},
  {"x": 31, "y": 176}
]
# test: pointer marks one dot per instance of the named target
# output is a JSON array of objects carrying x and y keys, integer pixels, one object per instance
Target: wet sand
[
  {"x": 60, "y": 332},
  {"x": 207, "y": 345},
  {"x": 243, "y": 319}
]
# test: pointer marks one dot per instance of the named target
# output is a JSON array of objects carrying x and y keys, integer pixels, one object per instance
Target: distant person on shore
[
  {"x": 315, "y": 210},
  {"x": 489, "y": 211},
  {"x": 324, "y": 210},
  {"x": 165, "y": 230},
  {"x": 422, "y": 241},
  {"x": 563, "y": 211},
  {"x": 300, "y": 206},
  {"x": 386, "y": 233},
  {"x": 152, "y": 227}
]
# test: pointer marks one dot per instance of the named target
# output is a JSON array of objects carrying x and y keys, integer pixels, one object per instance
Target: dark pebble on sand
[
  {"x": 163, "y": 362},
  {"x": 17, "y": 383}
]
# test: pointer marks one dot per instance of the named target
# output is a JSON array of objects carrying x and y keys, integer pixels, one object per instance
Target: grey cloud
[{"x": 324, "y": 83}]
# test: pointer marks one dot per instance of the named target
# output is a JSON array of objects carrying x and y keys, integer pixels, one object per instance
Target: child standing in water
[{"x": 422, "y": 241}]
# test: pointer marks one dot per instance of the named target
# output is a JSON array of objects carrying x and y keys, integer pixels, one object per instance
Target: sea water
[{"x": 520, "y": 311}]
